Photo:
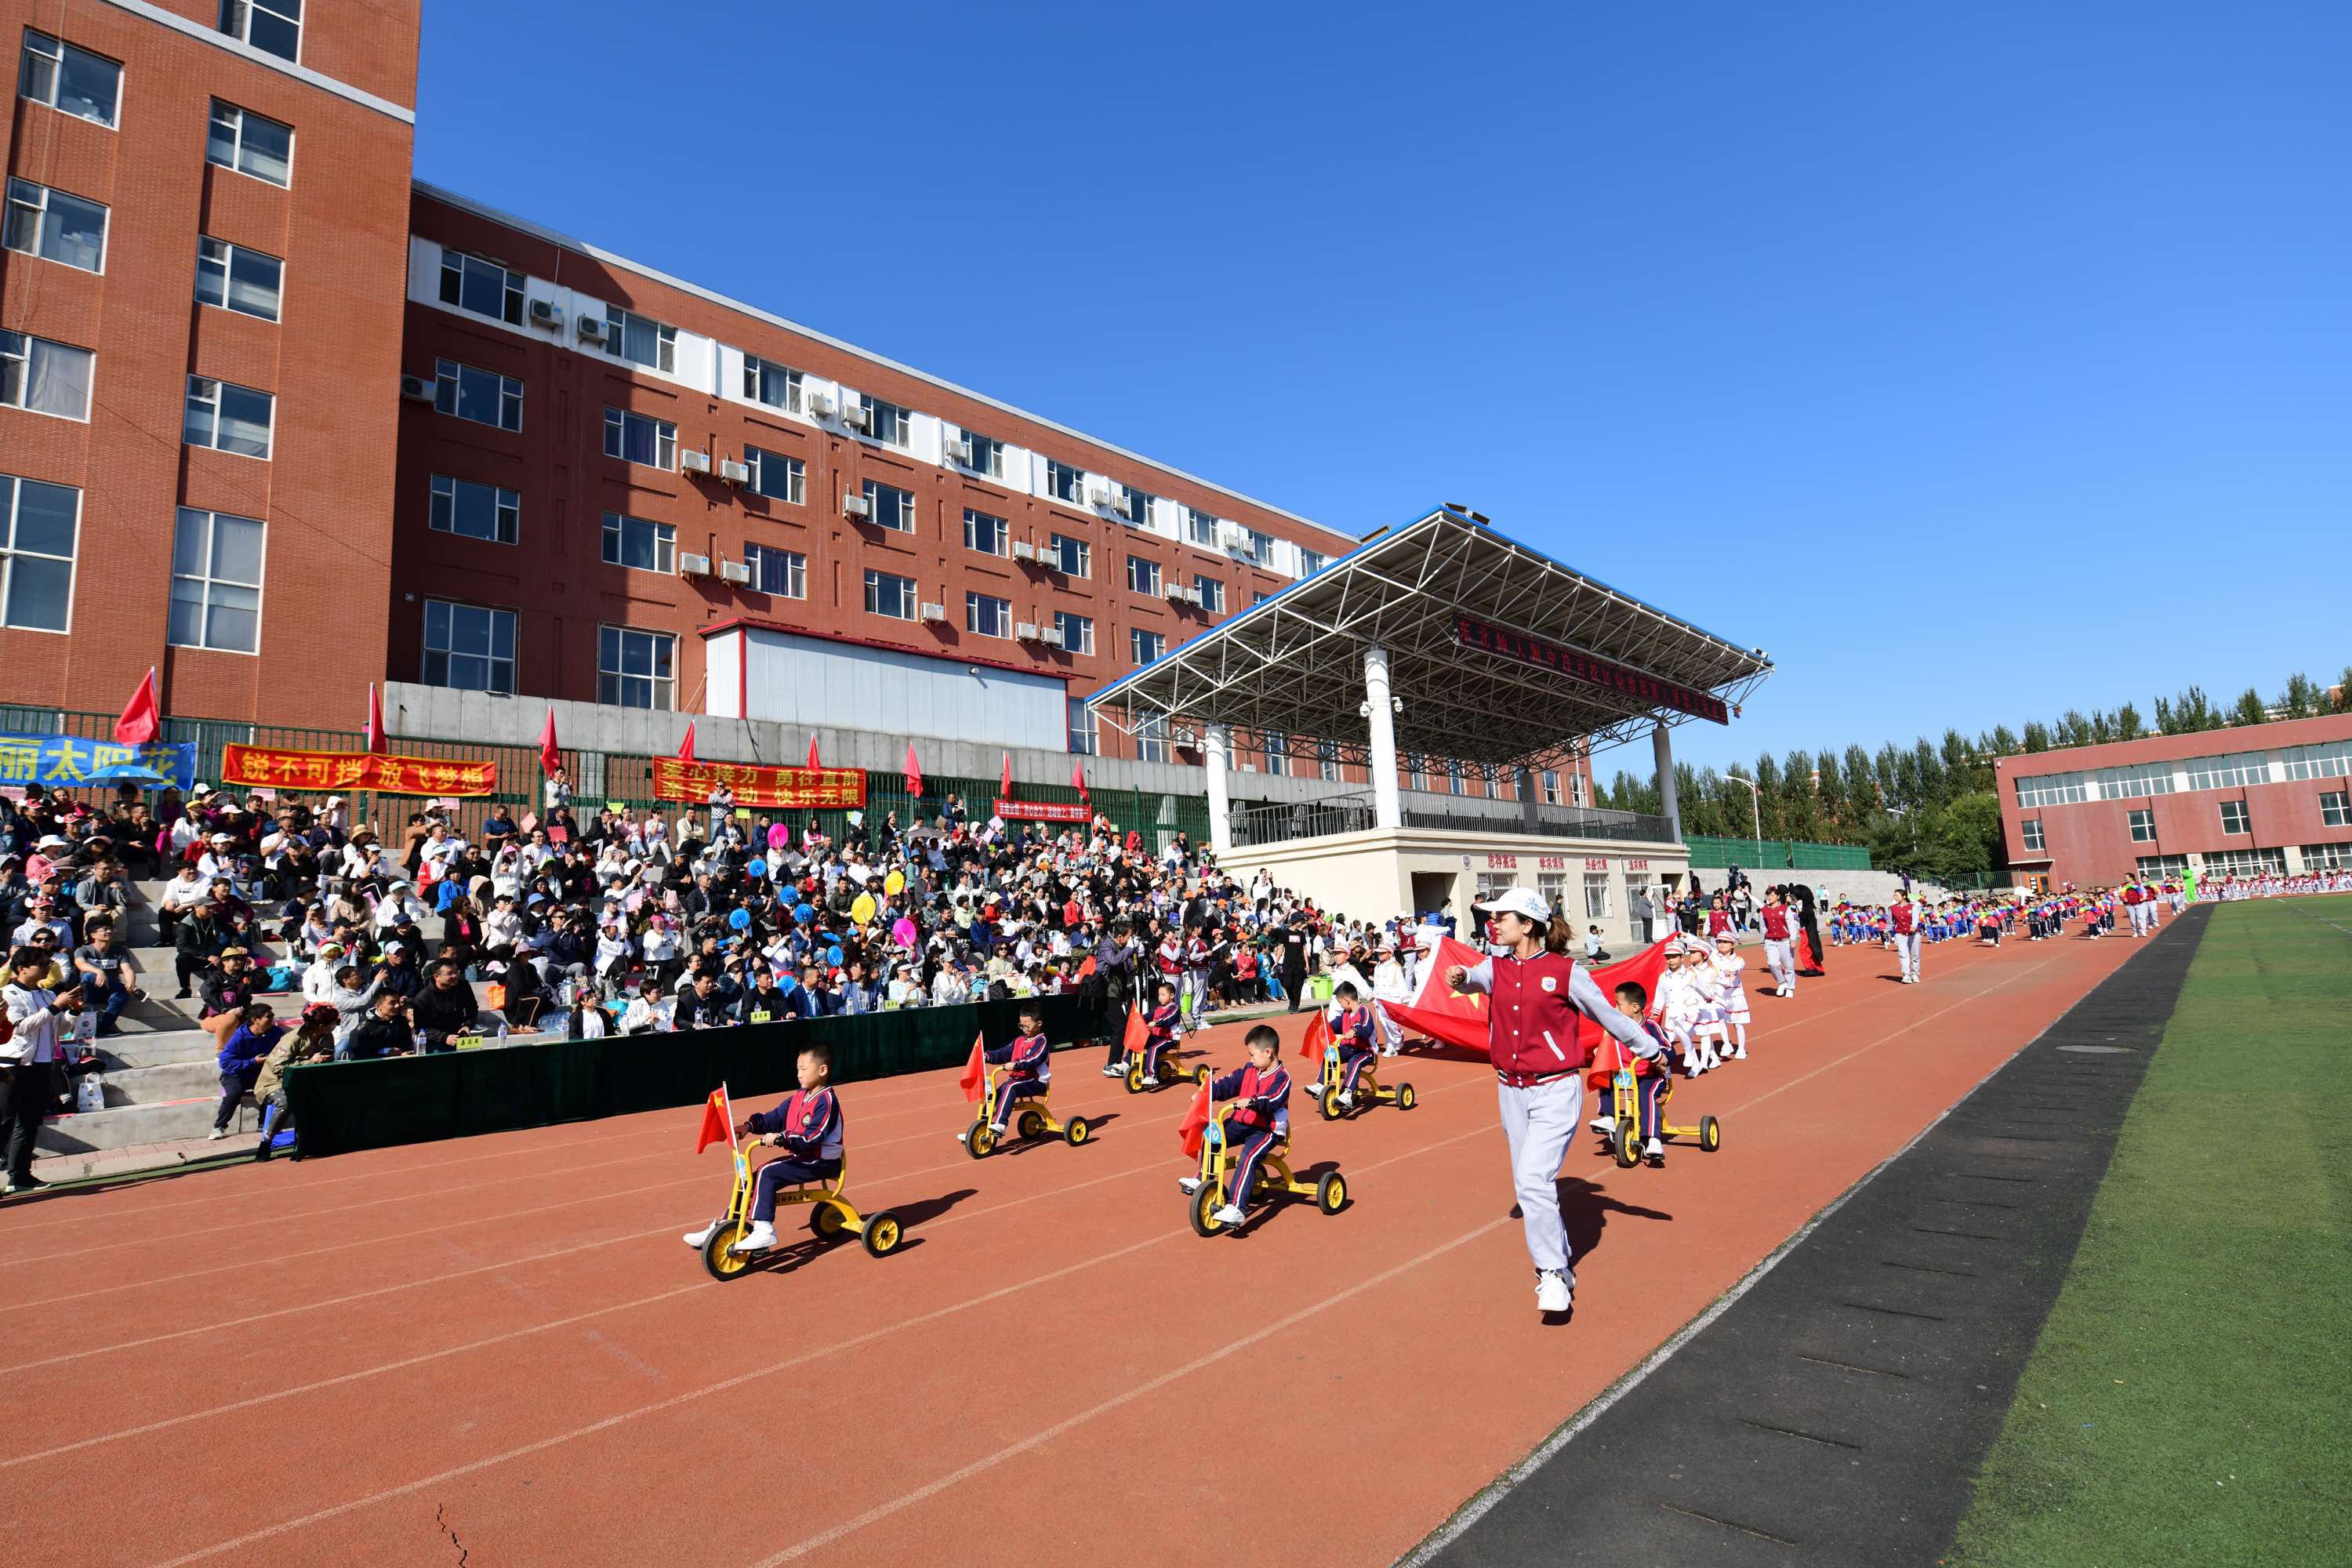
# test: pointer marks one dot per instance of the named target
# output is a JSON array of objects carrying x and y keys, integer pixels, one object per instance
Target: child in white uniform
[{"x": 1731, "y": 990}]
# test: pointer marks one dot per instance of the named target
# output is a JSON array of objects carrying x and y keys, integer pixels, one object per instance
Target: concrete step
[
  {"x": 138, "y": 1159},
  {"x": 161, "y": 1048},
  {"x": 120, "y": 1126},
  {"x": 161, "y": 1083}
]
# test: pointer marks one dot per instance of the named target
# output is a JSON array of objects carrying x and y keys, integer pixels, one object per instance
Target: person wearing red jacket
[
  {"x": 1538, "y": 994},
  {"x": 1905, "y": 918},
  {"x": 1780, "y": 956}
]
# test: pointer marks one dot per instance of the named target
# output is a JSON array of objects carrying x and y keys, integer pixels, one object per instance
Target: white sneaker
[
  {"x": 997, "y": 1128},
  {"x": 1346, "y": 1099},
  {"x": 1553, "y": 1294},
  {"x": 217, "y": 1133},
  {"x": 759, "y": 1238},
  {"x": 698, "y": 1239},
  {"x": 1604, "y": 1125},
  {"x": 1738, "y": 1053},
  {"x": 1113, "y": 1069},
  {"x": 1228, "y": 1215},
  {"x": 1654, "y": 1149},
  {"x": 1192, "y": 1184}
]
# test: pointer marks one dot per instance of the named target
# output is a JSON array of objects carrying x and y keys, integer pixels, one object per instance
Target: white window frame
[
  {"x": 1310, "y": 562},
  {"x": 881, "y": 411},
  {"x": 1551, "y": 786},
  {"x": 456, "y": 267},
  {"x": 1139, "y": 505},
  {"x": 1213, "y": 593},
  {"x": 1151, "y": 738},
  {"x": 987, "y": 455},
  {"x": 1326, "y": 761},
  {"x": 506, "y": 510},
  {"x": 26, "y": 351},
  {"x": 979, "y": 608},
  {"x": 2327, "y": 856},
  {"x": 449, "y": 386},
  {"x": 980, "y": 526},
  {"x": 1278, "y": 755},
  {"x": 1150, "y": 571},
  {"x": 40, "y": 201},
  {"x": 758, "y": 373},
  {"x": 196, "y": 398},
  {"x": 225, "y": 264},
  {"x": 795, "y": 570},
  {"x": 12, "y": 502},
  {"x": 1596, "y": 895},
  {"x": 907, "y": 594},
  {"x": 2141, "y": 820},
  {"x": 2030, "y": 833},
  {"x": 1064, "y": 622},
  {"x": 1200, "y": 527},
  {"x": 2335, "y": 808},
  {"x": 759, "y": 459},
  {"x": 1065, "y": 482},
  {"x": 206, "y": 582},
  {"x": 2253, "y": 862},
  {"x": 617, "y": 324},
  {"x": 2163, "y": 867},
  {"x": 662, "y": 689},
  {"x": 616, "y": 438},
  {"x": 1085, "y": 728},
  {"x": 237, "y": 21},
  {"x": 1065, "y": 548},
  {"x": 491, "y": 661},
  {"x": 1139, "y": 639},
  {"x": 58, "y": 55},
  {"x": 236, "y": 163},
  {"x": 2245, "y": 819},
  {"x": 903, "y": 509},
  {"x": 613, "y": 547},
  {"x": 2321, "y": 760}
]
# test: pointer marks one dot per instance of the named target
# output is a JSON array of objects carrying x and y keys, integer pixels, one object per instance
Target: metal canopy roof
[{"x": 1294, "y": 664}]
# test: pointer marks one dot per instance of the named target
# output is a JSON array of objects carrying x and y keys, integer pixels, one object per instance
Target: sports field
[{"x": 2191, "y": 1397}]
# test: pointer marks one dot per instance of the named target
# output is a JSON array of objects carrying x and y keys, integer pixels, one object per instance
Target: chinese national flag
[
  {"x": 1004, "y": 784},
  {"x": 914, "y": 772},
  {"x": 812, "y": 761},
  {"x": 1642, "y": 968},
  {"x": 550, "y": 756},
  {"x": 717, "y": 1124},
  {"x": 1189, "y": 1131},
  {"x": 1131, "y": 1039},
  {"x": 1078, "y": 777},
  {"x": 1455, "y": 1018},
  {"x": 375, "y": 719},
  {"x": 685, "y": 747},
  {"x": 1318, "y": 1037},
  {"x": 975, "y": 1071},
  {"x": 143, "y": 716},
  {"x": 1088, "y": 967}
]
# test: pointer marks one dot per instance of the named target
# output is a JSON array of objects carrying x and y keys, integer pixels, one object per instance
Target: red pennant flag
[
  {"x": 376, "y": 719},
  {"x": 143, "y": 716},
  {"x": 550, "y": 756},
  {"x": 1131, "y": 1039},
  {"x": 1078, "y": 777},
  {"x": 685, "y": 747},
  {"x": 717, "y": 1127},
  {"x": 975, "y": 1071},
  {"x": 1004, "y": 785},
  {"x": 914, "y": 772},
  {"x": 1088, "y": 967},
  {"x": 1191, "y": 1131},
  {"x": 812, "y": 761},
  {"x": 1318, "y": 1037}
]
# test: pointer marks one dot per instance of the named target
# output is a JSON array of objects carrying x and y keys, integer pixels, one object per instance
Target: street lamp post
[{"x": 1756, "y": 814}]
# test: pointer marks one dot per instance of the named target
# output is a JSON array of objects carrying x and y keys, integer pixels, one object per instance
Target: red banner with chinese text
[
  {"x": 674, "y": 779},
  {"x": 1043, "y": 811},
  {"x": 267, "y": 767}
]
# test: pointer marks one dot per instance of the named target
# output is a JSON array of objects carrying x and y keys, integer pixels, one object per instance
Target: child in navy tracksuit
[
  {"x": 1352, "y": 1034},
  {"x": 808, "y": 1127},
  {"x": 1160, "y": 1030},
  {"x": 1261, "y": 1117},
  {"x": 1649, "y": 1083},
  {"x": 1028, "y": 1061}
]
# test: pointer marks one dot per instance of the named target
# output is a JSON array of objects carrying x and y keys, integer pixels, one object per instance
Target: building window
[
  {"x": 2323, "y": 760},
  {"x": 1576, "y": 789},
  {"x": 236, "y": 278},
  {"x": 1454, "y": 779},
  {"x": 243, "y": 141},
  {"x": 2232, "y": 771},
  {"x": 641, "y": 546},
  {"x": 2143, "y": 826},
  {"x": 2029, "y": 833},
  {"x": 886, "y": 422},
  {"x": 637, "y": 438},
  {"x": 1151, "y": 738},
  {"x": 470, "y": 648},
  {"x": 1211, "y": 593},
  {"x": 484, "y": 396},
  {"x": 1137, "y": 507},
  {"x": 2163, "y": 867},
  {"x": 1077, "y": 632},
  {"x": 1415, "y": 775},
  {"x": 888, "y": 506},
  {"x": 1257, "y": 598},
  {"x": 1146, "y": 646},
  {"x": 1550, "y": 788},
  {"x": 1258, "y": 547},
  {"x": 1596, "y": 895},
  {"x": 273, "y": 26},
  {"x": 485, "y": 288},
  {"x": 1142, "y": 577},
  {"x": 1326, "y": 761},
  {"x": 1085, "y": 740},
  {"x": 2246, "y": 863},
  {"x": 1072, "y": 557},
  {"x": 2133, "y": 783},
  {"x": 987, "y": 615},
  {"x": 2054, "y": 789},
  {"x": 773, "y": 384},
  {"x": 777, "y": 477},
  {"x": 70, "y": 81},
  {"x": 783, "y": 573},
  {"x": 216, "y": 581},
  {"x": 987, "y": 455},
  {"x": 2234, "y": 818},
  {"x": 43, "y": 377},
  {"x": 984, "y": 533},
  {"x": 38, "y": 525},
  {"x": 889, "y": 595},
  {"x": 228, "y": 418},
  {"x": 635, "y": 668},
  {"x": 1200, "y": 527},
  {"x": 2328, "y": 857},
  {"x": 641, "y": 341},
  {"x": 2334, "y": 809},
  {"x": 1278, "y": 755},
  {"x": 474, "y": 510},
  {"x": 56, "y": 226},
  {"x": 1064, "y": 483},
  {"x": 1309, "y": 562}
]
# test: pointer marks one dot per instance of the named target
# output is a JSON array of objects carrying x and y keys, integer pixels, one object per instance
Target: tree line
[{"x": 1930, "y": 808}]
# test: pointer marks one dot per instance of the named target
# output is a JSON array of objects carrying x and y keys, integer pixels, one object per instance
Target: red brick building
[
  {"x": 193, "y": 324},
  {"x": 2269, "y": 798}
]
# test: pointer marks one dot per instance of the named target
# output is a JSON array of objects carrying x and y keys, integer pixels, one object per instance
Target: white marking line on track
[
  {"x": 1040, "y": 1438},
  {"x": 1517, "y": 1475},
  {"x": 855, "y": 1342}
]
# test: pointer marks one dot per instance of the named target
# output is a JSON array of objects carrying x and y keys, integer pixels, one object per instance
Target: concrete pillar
[
  {"x": 1387, "y": 812},
  {"x": 1524, "y": 780},
  {"x": 1668, "y": 806},
  {"x": 1218, "y": 748}
]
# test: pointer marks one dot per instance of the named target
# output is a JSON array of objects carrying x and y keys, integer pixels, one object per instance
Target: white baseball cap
[{"x": 1524, "y": 902}]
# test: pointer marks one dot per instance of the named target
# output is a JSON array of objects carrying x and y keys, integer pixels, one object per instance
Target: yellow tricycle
[
  {"x": 1325, "y": 1091},
  {"x": 1031, "y": 1119},
  {"x": 1206, "y": 1192},
  {"x": 830, "y": 1215},
  {"x": 1625, "y": 1139}
]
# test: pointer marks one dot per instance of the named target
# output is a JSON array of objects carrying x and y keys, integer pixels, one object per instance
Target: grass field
[{"x": 2191, "y": 1398}]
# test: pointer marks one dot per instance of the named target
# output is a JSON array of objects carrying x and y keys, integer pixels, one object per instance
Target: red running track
[{"x": 500, "y": 1346}]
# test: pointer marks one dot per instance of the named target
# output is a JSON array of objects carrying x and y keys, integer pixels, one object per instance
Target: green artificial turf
[{"x": 2190, "y": 1401}]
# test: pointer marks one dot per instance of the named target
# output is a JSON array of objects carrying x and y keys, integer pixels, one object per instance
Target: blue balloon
[
  {"x": 756, "y": 868},
  {"x": 740, "y": 920},
  {"x": 833, "y": 956},
  {"x": 804, "y": 913}
]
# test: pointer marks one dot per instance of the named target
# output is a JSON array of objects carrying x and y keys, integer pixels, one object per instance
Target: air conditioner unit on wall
[
  {"x": 590, "y": 329},
  {"x": 1232, "y": 535},
  {"x": 820, "y": 406},
  {"x": 933, "y": 613},
  {"x": 693, "y": 462},
  {"x": 546, "y": 313},
  {"x": 416, "y": 388},
  {"x": 1023, "y": 550},
  {"x": 856, "y": 507},
  {"x": 1128, "y": 508},
  {"x": 1098, "y": 493},
  {"x": 1024, "y": 631},
  {"x": 693, "y": 565},
  {"x": 855, "y": 415},
  {"x": 735, "y": 473},
  {"x": 1173, "y": 590},
  {"x": 1051, "y": 637},
  {"x": 955, "y": 451},
  {"x": 736, "y": 570}
]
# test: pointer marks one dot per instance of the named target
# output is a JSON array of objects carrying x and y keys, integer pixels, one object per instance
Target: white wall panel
[{"x": 811, "y": 681}]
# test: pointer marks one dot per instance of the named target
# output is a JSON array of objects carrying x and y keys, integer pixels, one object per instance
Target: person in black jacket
[
  {"x": 444, "y": 1008},
  {"x": 701, "y": 1006},
  {"x": 382, "y": 1033},
  {"x": 195, "y": 944}
]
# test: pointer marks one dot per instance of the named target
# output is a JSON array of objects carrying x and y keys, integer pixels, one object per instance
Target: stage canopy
[{"x": 1497, "y": 655}]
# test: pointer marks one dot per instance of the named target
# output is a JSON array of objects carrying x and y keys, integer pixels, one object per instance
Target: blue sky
[{"x": 1836, "y": 328}]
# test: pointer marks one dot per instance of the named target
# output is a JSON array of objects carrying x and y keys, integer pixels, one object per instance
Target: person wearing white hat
[{"x": 1536, "y": 993}]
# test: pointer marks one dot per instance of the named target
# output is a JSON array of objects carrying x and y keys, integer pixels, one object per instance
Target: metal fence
[
  {"x": 1282, "y": 822},
  {"x": 1796, "y": 854}
]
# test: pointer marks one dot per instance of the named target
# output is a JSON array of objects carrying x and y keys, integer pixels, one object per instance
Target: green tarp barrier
[{"x": 341, "y": 1106}]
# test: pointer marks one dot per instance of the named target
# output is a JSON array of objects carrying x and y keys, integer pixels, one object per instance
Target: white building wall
[{"x": 818, "y": 683}]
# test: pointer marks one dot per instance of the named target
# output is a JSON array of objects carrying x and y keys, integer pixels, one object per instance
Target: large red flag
[
  {"x": 717, "y": 1124},
  {"x": 1004, "y": 784},
  {"x": 1642, "y": 969},
  {"x": 1190, "y": 1131},
  {"x": 1438, "y": 1011},
  {"x": 550, "y": 756},
  {"x": 812, "y": 761},
  {"x": 1078, "y": 777},
  {"x": 914, "y": 772},
  {"x": 975, "y": 1071},
  {"x": 1318, "y": 1037},
  {"x": 375, "y": 742},
  {"x": 1132, "y": 1038},
  {"x": 685, "y": 747},
  {"x": 143, "y": 716}
]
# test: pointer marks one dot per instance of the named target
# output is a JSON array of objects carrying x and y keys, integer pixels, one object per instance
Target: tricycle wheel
[
  {"x": 1077, "y": 1130},
  {"x": 1200, "y": 1075},
  {"x": 1404, "y": 1097},
  {"x": 1328, "y": 1103},
  {"x": 980, "y": 1142},
  {"x": 1710, "y": 1133},
  {"x": 825, "y": 1221},
  {"x": 1135, "y": 1074},
  {"x": 718, "y": 1256},
  {"x": 882, "y": 1234},
  {"x": 1331, "y": 1192},
  {"x": 1205, "y": 1204},
  {"x": 1032, "y": 1124},
  {"x": 1626, "y": 1143}
]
